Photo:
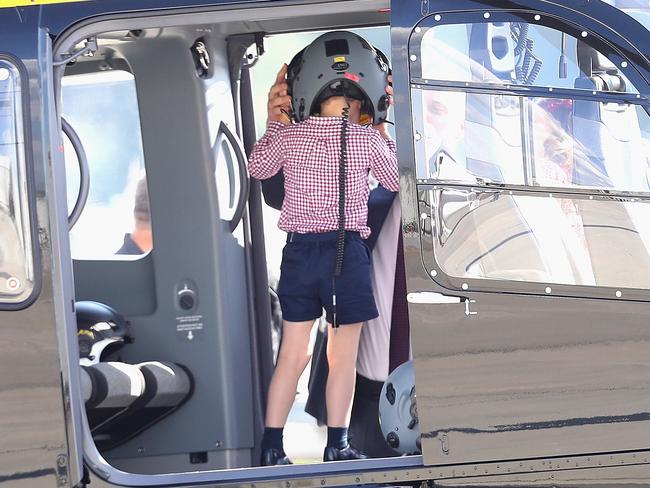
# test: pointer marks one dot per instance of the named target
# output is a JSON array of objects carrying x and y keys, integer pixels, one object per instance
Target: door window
[
  {"x": 532, "y": 141},
  {"x": 527, "y": 132},
  {"x": 115, "y": 223},
  {"x": 17, "y": 273},
  {"x": 517, "y": 53}
]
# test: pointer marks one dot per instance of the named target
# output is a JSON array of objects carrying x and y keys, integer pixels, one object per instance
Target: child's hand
[
  {"x": 279, "y": 104},
  {"x": 381, "y": 128}
]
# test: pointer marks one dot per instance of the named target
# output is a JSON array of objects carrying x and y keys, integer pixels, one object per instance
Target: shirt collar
[{"x": 318, "y": 120}]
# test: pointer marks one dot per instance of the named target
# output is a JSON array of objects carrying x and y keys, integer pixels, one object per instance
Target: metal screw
[{"x": 61, "y": 461}]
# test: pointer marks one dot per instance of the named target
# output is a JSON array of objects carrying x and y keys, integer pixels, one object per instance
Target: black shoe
[
  {"x": 274, "y": 457},
  {"x": 345, "y": 454}
]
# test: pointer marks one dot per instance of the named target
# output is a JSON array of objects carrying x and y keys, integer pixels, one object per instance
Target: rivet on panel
[
  {"x": 486, "y": 15},
  {"x": 619, "y": 294},
  {"x": 418, "y": 136},
  {"x": 4, "y": 74},
  {"x": 538, "y": 17},
  {"x": 464, "y": 286},
  {"x": 548, "y": 289},
  {"x": 584, "y": 34},
  {"x": 624, "y": 64},
  {"x": 418, "y": 30},
  {"x": 414, "y": 57},
  {"x": 434, "y": 273},
  {"x": 438, "y": 17}
]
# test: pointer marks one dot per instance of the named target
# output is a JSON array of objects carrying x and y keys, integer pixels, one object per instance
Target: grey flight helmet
[
  {"x": 339, "y": 63},
  {"x": 398, "y": 412}
]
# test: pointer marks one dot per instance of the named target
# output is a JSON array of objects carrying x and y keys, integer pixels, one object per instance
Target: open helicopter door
[
  {"x": 528, "y": 256},
  {"x": 39, "y": 445}
]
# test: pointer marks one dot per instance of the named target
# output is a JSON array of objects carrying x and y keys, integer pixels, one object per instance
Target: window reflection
[
  {"x": 515, "y": 53},
  {"x": 16, "y": 260},
  {"x": 534, "y": 238},
  {"x": 551, "y": 142},
  {"x": 102, "y": 107}
]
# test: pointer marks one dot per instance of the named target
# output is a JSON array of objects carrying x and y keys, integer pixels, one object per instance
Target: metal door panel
[
  {"x": 34, "y": 442},
  {"x": 520, "y": 368}
]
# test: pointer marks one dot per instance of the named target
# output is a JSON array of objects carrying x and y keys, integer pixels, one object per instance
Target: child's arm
[
  {"x": 266, "y": 158},
  {"x": 384, "y": 162}
]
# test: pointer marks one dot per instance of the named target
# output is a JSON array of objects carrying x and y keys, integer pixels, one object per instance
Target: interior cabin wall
[{"x": 193, "y": 246}]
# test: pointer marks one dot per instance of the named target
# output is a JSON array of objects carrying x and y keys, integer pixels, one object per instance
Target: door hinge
[
  {"x": 89, "y": 49},
  {"x": 62, "y": 470},
  {"x": 425, "y": 7},
  {"x": 444, "y": 444}
]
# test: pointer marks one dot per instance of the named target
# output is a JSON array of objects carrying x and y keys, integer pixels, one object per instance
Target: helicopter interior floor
[{"x": 189, "y": 302}]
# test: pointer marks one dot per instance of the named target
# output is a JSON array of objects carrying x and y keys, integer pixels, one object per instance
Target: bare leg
[
  {"x": 292, "y": 360},
  {"x": 342, "y": 347}
]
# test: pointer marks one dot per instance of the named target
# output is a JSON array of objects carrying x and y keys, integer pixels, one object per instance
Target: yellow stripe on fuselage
[{"x": 26, "y": 3}]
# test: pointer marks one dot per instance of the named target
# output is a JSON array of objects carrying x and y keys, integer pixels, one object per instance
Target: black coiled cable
[{"x": 340, "y": 243}]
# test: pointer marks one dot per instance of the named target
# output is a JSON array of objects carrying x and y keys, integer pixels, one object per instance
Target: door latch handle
[
  {"x": 468, "y": 302},
  {"x": 432, "y": 298}
]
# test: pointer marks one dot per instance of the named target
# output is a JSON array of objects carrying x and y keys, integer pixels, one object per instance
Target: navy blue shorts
[{"x": 306, "y": 273}]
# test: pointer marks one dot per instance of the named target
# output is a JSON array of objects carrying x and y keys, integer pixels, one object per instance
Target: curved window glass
[
  {"x": 559, "y": 125},
  {"x": 16, "y": 251}
]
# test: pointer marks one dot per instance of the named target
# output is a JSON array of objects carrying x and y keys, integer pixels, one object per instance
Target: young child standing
[{"x": 309, "y": 154}]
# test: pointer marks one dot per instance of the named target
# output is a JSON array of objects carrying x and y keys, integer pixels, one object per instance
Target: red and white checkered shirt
[{"x": 309, "y": 154}]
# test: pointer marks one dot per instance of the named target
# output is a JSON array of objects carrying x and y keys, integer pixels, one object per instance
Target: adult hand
[
  {"x": 381, "y": 127},
  {"x": 279, "y": 104}
]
